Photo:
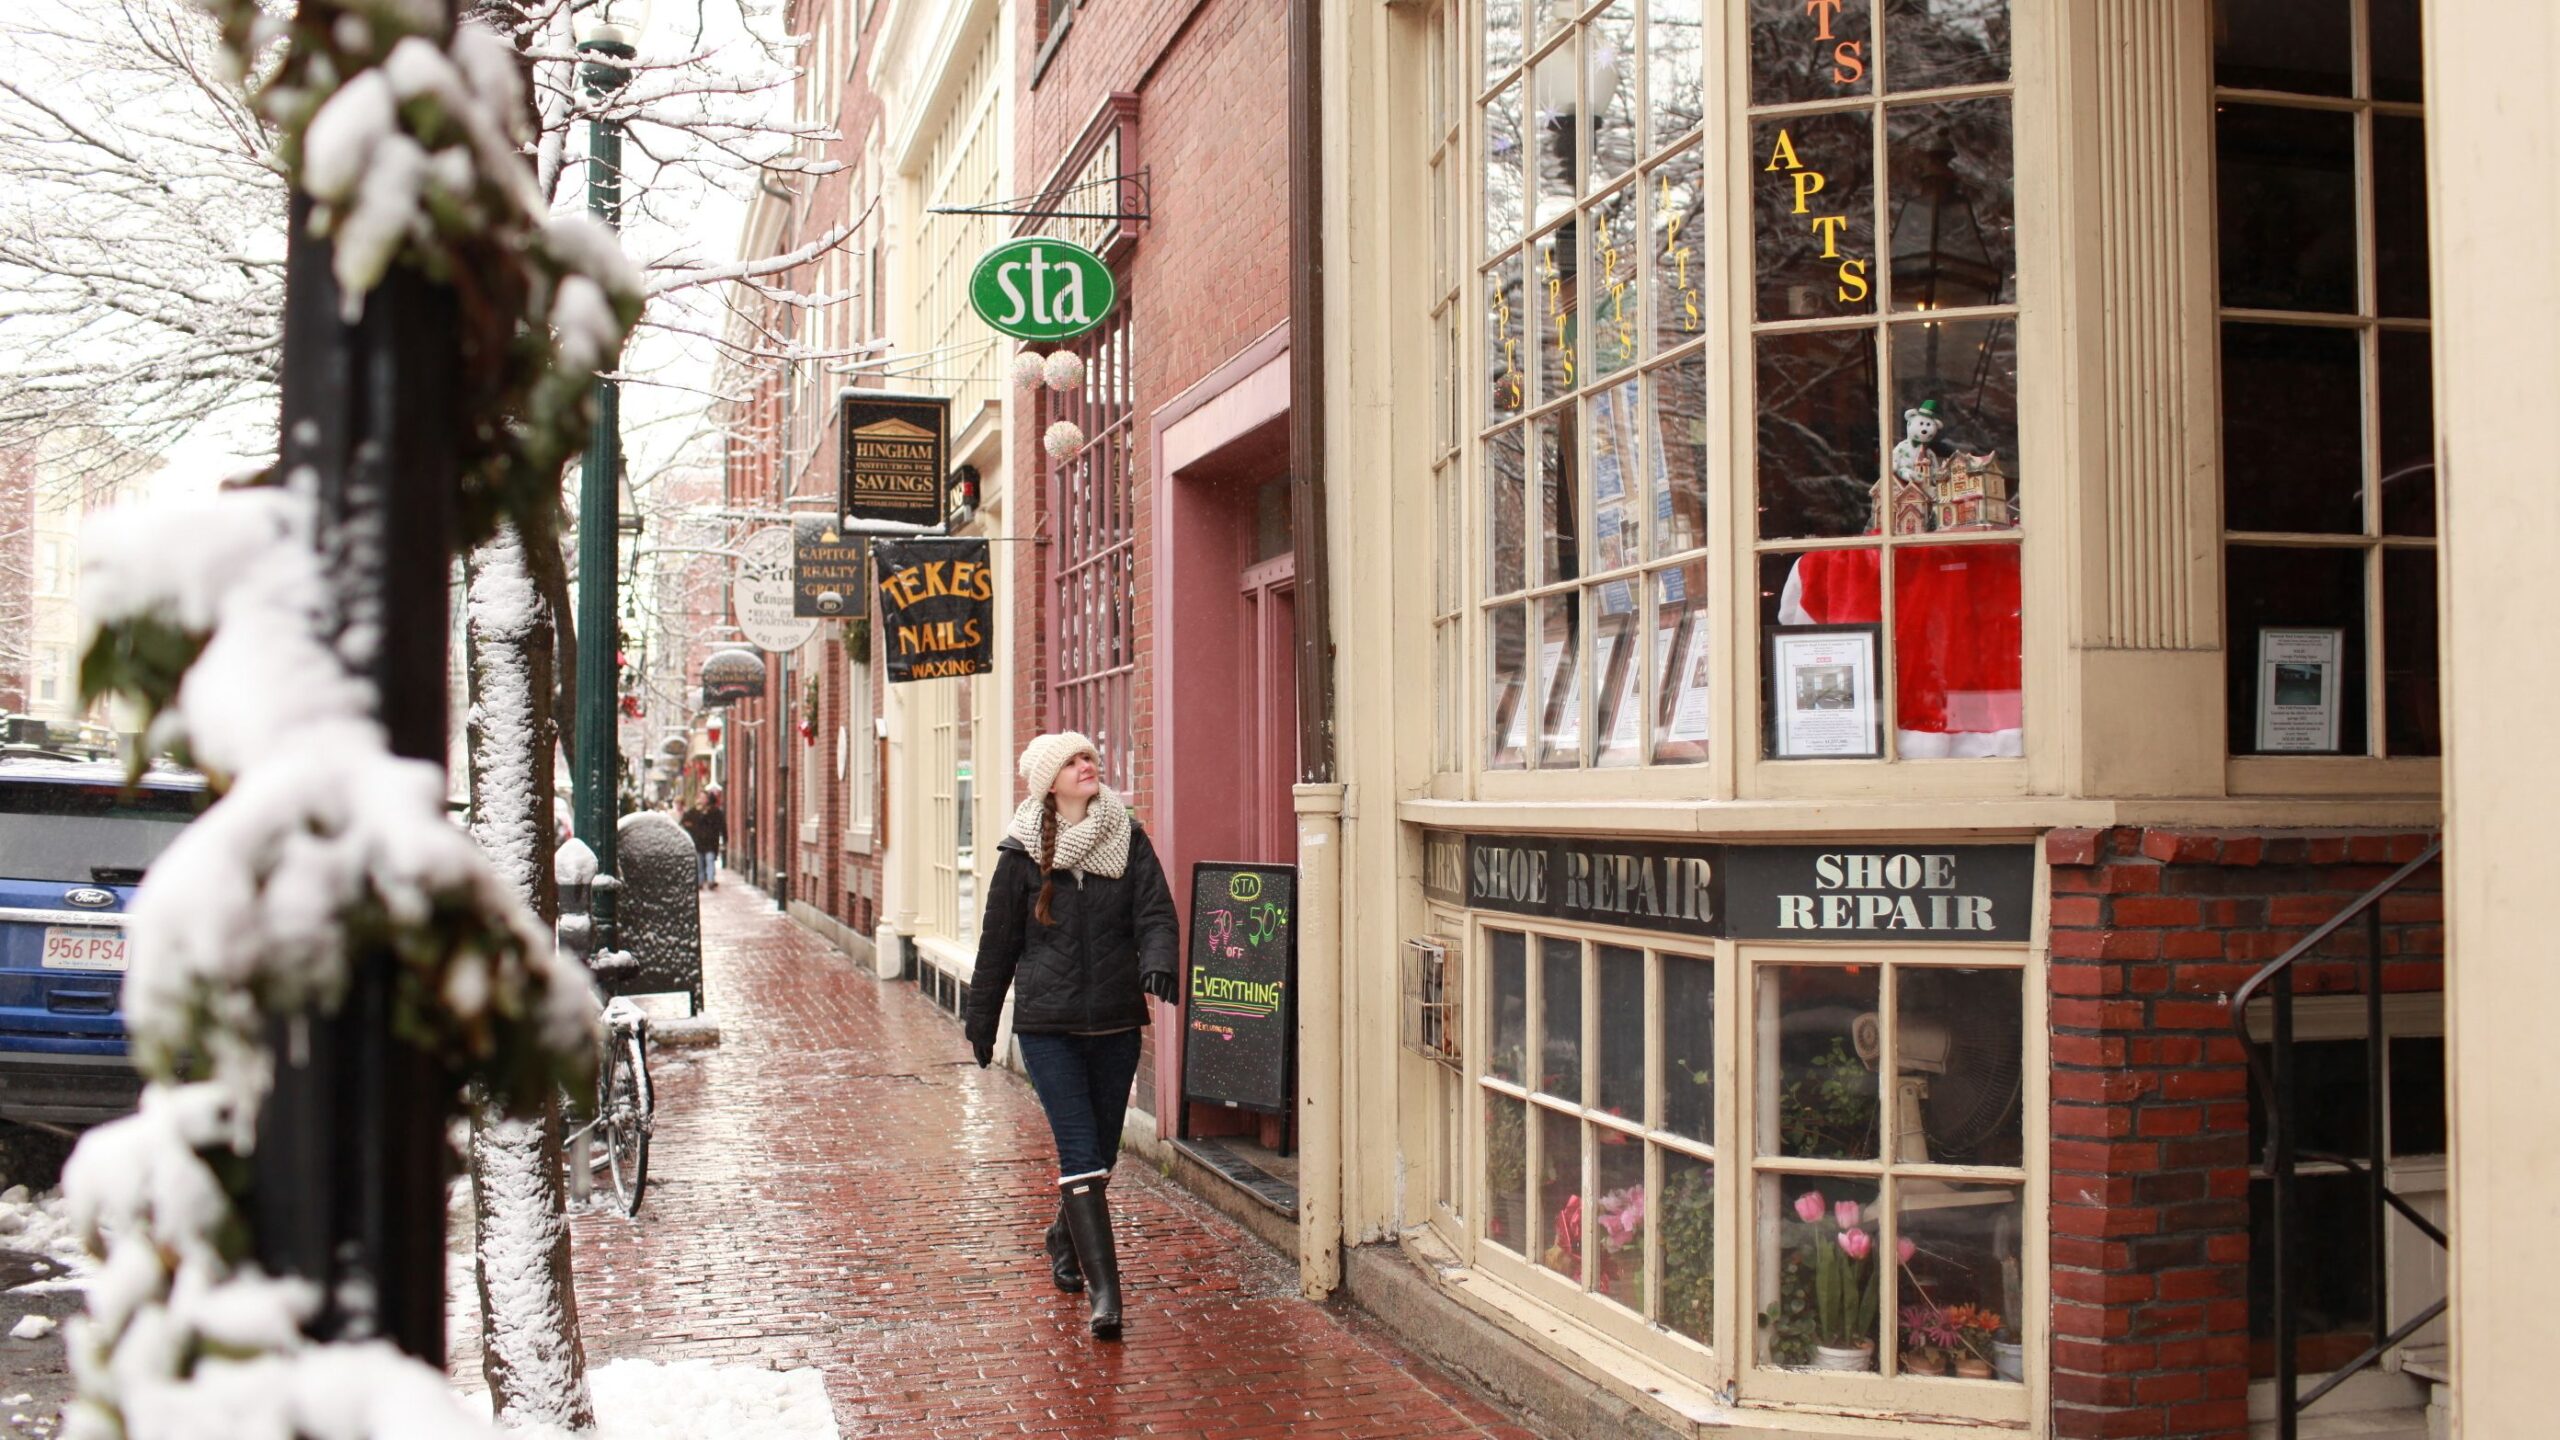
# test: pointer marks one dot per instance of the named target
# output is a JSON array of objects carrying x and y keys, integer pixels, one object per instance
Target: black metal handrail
[{"x": 2272, "y": 1077}]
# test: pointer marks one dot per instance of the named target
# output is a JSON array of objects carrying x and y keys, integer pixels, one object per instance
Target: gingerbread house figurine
[{"x": 1972, "y": 493}]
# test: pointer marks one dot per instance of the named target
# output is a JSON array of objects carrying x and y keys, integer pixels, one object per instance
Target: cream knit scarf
[{"x": 1096, "y": 845}]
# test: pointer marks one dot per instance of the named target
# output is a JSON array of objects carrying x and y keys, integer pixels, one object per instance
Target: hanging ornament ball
[
  {"x": 1027, "y": 368},
  {"x": 1063, "y": 440},
  {"x": 1064, "y": 370}
]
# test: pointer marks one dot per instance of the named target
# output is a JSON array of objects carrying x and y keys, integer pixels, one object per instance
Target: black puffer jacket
[{"x": 1080, "y": 975}]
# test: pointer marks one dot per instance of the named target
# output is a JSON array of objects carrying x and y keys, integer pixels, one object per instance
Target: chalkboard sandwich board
[{"x": 1240, "y": 1013}]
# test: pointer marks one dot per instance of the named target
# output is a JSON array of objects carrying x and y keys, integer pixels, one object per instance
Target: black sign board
[
  {"x": 1879, "y": 892},
  {"x": 1240, "y": 1017},
  {"x": 1921, "y": 891},
  {"x": 892, "y": 466},
  {"x": 826, "y": 570},
  {"x": 937, "y": 608}
]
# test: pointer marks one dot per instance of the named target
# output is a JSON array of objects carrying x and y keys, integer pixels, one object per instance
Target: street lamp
[{"x": 610, "y": 42}]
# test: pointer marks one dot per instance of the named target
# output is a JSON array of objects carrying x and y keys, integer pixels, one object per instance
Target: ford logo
[{"x": 89, "y": 899}]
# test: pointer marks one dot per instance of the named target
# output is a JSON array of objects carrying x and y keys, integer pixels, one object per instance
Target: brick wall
[{"x": 2152, "y": 931}]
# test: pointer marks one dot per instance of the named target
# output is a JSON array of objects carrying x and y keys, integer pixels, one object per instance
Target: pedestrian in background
[
  {"x": 1080, "y": 926},
  {"x": 708, "y": 823}
]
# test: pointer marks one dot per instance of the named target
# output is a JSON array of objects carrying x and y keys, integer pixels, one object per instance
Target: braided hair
[{"x": 1048, "y": 854}]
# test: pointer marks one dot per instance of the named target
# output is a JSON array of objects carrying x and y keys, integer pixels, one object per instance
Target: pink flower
[
  {"x": 1857, "y": 1243},
  {"x": 1846, "y": 1212},
  {"x": 1809, "y": 1206},
  {"x": 1621, "y": 1217},
  {"x": 1903, "y": 1247},
  {"x": 1569, "y": 1225}
]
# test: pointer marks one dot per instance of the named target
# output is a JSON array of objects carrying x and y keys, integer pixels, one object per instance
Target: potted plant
[
  {"x": 1506, "y": 1173},
  {"x": 1621, "y": 1240},
  {"x": 1829, "y": 1110},
  {"x": 1689, "y": 1256},
  {"x": 1974, "y": 1329},
  {"x": 2008, "y": 1352},
  {"x": 1927, "y": 1336},
  {"x": 1844, "y": 1282}
]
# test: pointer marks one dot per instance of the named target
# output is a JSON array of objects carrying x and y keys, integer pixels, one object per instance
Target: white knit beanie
[{"x": 1046, "y": 755}]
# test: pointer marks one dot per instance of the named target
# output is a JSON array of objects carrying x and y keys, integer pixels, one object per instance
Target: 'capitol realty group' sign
[{"x": 1746, "y": 892}]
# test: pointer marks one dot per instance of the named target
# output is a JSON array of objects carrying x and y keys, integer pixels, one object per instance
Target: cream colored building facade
[
  {"x": 943, "y": 73},
  {"x": 1639, "y": 322}
]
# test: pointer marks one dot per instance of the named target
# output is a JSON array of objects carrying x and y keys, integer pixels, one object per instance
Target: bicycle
[{"x": 626, "y": 1107}]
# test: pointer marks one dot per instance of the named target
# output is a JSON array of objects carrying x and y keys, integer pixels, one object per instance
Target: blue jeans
[
  {"x": 1083, "y": 1082},
  {"x": 709, "y": 860}
]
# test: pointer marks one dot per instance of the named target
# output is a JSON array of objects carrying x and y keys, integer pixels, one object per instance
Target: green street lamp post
[{"x": 610, "y": 44}]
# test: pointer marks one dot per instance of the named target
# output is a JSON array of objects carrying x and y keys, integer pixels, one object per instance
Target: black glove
[
  {"x": 1160, "y": 984},
  {"x": 985, "y": 1050}
]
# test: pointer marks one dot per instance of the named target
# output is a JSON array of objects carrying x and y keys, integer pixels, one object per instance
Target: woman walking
[{"x": 1080, "y": 927}]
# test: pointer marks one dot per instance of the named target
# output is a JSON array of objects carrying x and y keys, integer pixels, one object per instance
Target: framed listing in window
[
  {"x": 2298, "y": 690},
  {"x": 1822, "y": 693}
]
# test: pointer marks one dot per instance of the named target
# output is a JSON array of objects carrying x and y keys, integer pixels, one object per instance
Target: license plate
[{"x": 66, "y": 948}]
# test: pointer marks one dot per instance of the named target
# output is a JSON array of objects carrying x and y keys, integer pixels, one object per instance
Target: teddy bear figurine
[{"x": 1908, "y": 494}]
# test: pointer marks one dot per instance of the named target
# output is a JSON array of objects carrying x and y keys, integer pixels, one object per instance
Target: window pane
[
  {"x": 1675, "y": 194},
  {"x": 2408, "y": 390},
  {"x": 2397, "y": 47},
  {"x": 1507, "y": 707},
  {"x": 2286, "y": 186},
  {"x": 1610, "y": 62},
  {"x": 1617, "y": 295},
  {"x": 1678, "y": 393},
  {"x": 1504, "y": 181},
  {"x": 2332, "y": 1287},
  {"x": 1686, "y": 1223},
  {"x": 1961, "y": 1296},
  {"x": 1550, "y": 16},
  {"x": 1674, "y": 43},
  {"x": 1506, "y": 503},
  {"x": 1818, "y": 441},
  {"x": 1552, "y": 106},
  {"x": 1559, "y": 1193},
  {"x": 1560, "y": 680},
  {"x": 1617, "y": 667},
  {"x": 1501, "y": 37},
  {"x": 1506, "y": 358},
  {"x": 1622, "y": 1031},
  {"x": 1558, "y": 319},
  {"x": 2292, "y": 429},
  {"x": 1955, "y": 461},
  {"x": 1560, "y": 1018},
  {"x": 1816, "y": 1292},
  {"x": 1956, "y": 649},
  {"x": 1947, "y": 189},
  {"x": 2399, "y": 216},
  {"x": 1616, "y": 1230},
  {"x": 1803, "y": 51},
  {"x": 1682, "y": 650},
  {"x": 2412, "y": 704},
  {"x": 2417, "y": 1095},
  {"x": 1689, "y": 1047},
  {"x": 2291, "y": 609},
  {"x": 1506, "y": 1172},
  {"x": 2303, "y": 46},
  {"x": 1510, "y": 1006},
  {"x": 1959, "y": 1053},
  {"x": 1617, "y": 475},
  {"x": 1813, "y": 1084},
  {"x": 1929, "y": 43},
  {"x": 1559, "y": 499},
  {"x": 1828, "y": 588},
  {"x": 1813, "y": 216}
]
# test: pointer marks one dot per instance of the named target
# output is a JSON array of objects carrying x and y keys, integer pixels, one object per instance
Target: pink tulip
[
  {"x": 1809, "y": 1206},
  {"x": 1846, "y": 1212},
  {"x": 1857, "y": 1243},
  {"x": 1903, "y": 1247}
]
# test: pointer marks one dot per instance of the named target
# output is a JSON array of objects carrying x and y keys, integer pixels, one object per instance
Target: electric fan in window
[{"x": 1961, "y": 1075}]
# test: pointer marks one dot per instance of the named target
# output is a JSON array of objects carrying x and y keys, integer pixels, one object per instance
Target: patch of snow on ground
[
  {"x": 697, "y": 1400},
  {"x": 41, "y": 1224},
  {"x": 31, "y": 1327}
]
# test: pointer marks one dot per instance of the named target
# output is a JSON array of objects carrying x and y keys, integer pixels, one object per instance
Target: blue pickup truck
[{"x": 74, "y": 841}]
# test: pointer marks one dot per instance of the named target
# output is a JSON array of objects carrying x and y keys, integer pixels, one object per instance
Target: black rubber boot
[
  {"x": 1061, "y": 1245},
  {"x": 1089, "y": 1220}
]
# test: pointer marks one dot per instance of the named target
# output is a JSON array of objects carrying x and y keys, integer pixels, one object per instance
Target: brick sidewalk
[{"x": 838, "y": 1186}]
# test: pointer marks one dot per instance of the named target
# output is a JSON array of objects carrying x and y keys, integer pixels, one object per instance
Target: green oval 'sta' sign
[{"x": 1041, "y": 288}]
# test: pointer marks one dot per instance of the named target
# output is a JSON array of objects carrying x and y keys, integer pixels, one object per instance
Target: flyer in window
[
  {"x": 1623, "y": 723},
  {"x": 1822, "y": 693},
  {"x": 1684, "y": 678},
  {"x": 2298, "y": 690},
  {"x": 1563, "y": 723}
]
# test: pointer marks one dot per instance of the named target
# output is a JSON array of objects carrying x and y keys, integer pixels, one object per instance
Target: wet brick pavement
[{"x": 836, "y": 1185}]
